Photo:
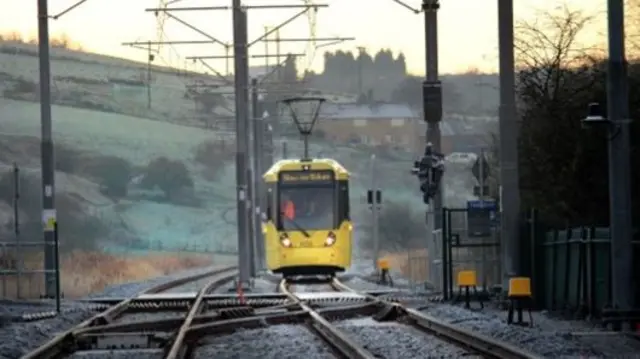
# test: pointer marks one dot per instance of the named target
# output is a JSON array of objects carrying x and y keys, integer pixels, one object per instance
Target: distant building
[
  {"x": 465, "y": 134},
  {"x": 393, "y": 125}
]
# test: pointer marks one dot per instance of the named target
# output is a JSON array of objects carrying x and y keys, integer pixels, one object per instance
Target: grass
[
  {"x": 84, "y": 272},
  {"x": 413, "y": 265}
]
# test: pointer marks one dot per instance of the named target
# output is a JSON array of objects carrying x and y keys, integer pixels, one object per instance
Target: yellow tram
[{"x": 308, "y": 229}]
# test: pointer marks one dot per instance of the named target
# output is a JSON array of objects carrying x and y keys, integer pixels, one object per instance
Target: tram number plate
[{"x": 306, "y": 243}]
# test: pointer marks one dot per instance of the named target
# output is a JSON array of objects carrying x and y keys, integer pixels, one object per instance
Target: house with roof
[
  {"x": 465, "y": 133},
  {"x": 379, "y": 124}
]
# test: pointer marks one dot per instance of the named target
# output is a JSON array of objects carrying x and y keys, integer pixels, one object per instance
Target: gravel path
[
  {"x": 276, "y": 342},
  {"x": 536, "y": 339},
  {"x": 392, "y": 340}
]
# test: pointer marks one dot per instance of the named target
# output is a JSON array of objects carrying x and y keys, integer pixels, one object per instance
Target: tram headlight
[
  {"x": 331, "y": 239},
  {"x": 285, "y": 241}
]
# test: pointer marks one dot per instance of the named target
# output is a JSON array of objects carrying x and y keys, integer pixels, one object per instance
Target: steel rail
[
  {"x": 484, "y": 345},
  {"x": 178, "y": 347},
  {"x": 332, "y": 335},
  {"x": 58, "y": 345}
]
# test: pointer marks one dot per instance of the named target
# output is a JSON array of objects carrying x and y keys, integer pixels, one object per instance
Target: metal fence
[
  {"x": 22, "y": 269},
  {"x": 571, "y": 268},
  {"x": 461, "y": 250}
]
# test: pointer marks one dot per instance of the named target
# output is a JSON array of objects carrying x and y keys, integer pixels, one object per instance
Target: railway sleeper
[{"x": 121, "y": 341}]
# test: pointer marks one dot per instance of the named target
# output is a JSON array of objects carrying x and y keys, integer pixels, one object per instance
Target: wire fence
[{"x": 22, "y": 247}]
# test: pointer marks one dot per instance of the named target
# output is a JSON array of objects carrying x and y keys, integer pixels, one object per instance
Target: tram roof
[{"x": 296, "y": 165}]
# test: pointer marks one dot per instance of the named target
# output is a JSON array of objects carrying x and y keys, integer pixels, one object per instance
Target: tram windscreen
[{"x": 306, "y": 200}]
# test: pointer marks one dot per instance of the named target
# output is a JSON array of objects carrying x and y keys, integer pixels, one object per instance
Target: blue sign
[
  {"x": 481, "y": 217},
  {"x": 482, "y": 204}
]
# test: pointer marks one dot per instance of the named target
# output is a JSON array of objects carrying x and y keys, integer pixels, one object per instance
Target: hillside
[
  {"x": 99, "y": 115},
  {"x": 116, "y": 85}
]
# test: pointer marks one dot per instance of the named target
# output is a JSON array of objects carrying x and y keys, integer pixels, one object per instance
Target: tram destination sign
[{"x": 299, "y": 177}]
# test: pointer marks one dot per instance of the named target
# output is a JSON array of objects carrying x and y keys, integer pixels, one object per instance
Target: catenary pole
[
  {"x": 241, "y": 108},
  {"x": 619, "y": 161},
  {"x": 46, "y": 155},
  {"x": 510, "y": 194},
  {"x": 258, "y": 153}
]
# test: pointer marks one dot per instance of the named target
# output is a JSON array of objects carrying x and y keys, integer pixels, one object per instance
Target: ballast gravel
[
  {"x": 535, "y": 340},
  {"x": 18, "y": 338},
  {"x": 394, "y": 340},
  {"x": 611, "y": 345},
  {"x": 276, "y": 342}
]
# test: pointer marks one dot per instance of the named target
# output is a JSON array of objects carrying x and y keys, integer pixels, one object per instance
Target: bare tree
[
  {"x": 558, "y": 76},
  {"x": 549, "y": 44}
]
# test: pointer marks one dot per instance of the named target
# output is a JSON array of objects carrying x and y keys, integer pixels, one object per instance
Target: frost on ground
[
  {"x": 592, "y": 334},
  {"x": 393, "y": 340},
  {"x": 22, "y": 337},
  {"x": 18, "y": 338},
  {"x": 276, "y": 342},
  {"x": 537, "y": 340}
]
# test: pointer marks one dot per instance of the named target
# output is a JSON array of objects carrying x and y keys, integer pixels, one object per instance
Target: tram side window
[
  {"x": 343, "y": 202},
  {"x": 306, "y": 207}
]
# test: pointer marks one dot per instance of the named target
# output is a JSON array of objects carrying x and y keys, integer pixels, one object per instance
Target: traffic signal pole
[{"x": 432, "y": 102}]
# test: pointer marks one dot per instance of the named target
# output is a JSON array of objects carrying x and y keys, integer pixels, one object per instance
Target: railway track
[
  {"x": 159, "y": 324},
  {"x": 385, "y": 310},
  {"x": 107, "y": 331}
]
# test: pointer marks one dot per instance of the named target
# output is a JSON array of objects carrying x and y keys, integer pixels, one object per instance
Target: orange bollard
[{"x": 241, "y": 294}]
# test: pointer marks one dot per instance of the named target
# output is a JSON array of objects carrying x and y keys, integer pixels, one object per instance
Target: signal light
[{"x": 429, "y": 170}]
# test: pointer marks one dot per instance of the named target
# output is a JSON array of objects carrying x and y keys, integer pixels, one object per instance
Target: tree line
[
  {"x": 563, "y": 166},
  {"x": 373, "y": 76}
]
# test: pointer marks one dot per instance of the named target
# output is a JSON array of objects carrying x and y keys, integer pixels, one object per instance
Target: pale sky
[{"x": 467, "y": 28}]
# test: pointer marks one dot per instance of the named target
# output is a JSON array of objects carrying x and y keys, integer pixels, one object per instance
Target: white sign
[{"x": 49, "y": 219}]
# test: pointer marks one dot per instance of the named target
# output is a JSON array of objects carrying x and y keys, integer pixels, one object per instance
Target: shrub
[
  {"x": 212, "y": 155},
  {"x": 170, "y": 176},
  {"x": 77, "y": 229},
  {"x": 66, "y": 159},
  {"x": 113, "y": 174},
  {"x": 21, "y": 87}
]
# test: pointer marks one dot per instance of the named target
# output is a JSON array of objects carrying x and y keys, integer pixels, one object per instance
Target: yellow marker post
[
  {"x": 383, "y": 264},
  {"x": 519, "y": 296},
  {"x": 468, "y": 279},
  {"x": 383, "y": 268}
]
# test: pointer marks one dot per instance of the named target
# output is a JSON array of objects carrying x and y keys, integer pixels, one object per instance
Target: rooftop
[{"x": 355, "y": 111}]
